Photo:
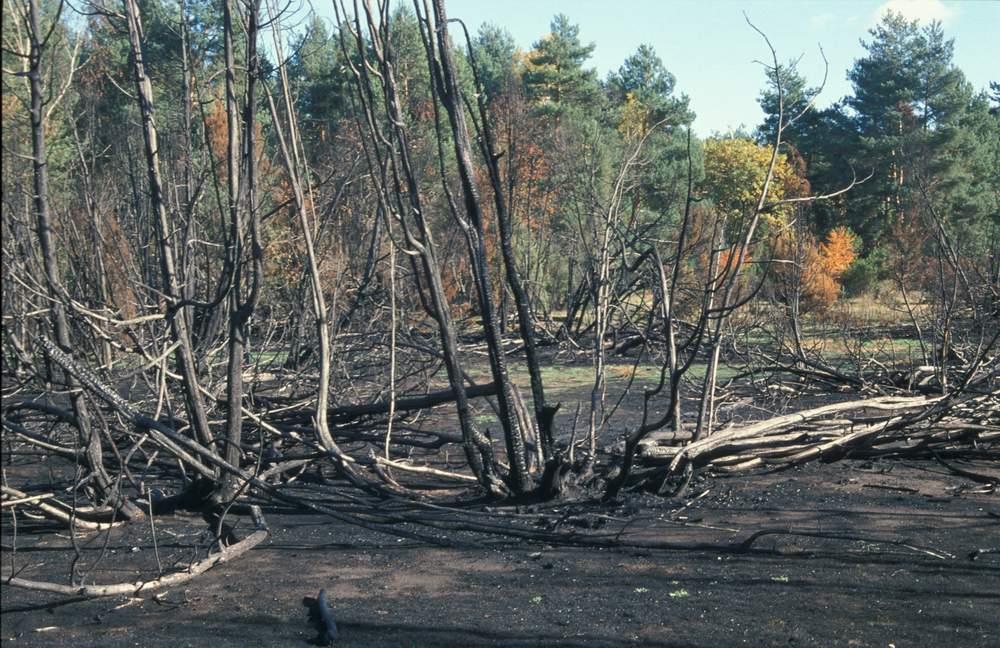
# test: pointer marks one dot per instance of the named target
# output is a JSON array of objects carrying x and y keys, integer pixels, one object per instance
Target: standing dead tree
[
  {"x": 502, "y": 203},
  {"x": 387, "y": 150},
  {"x": 172, "y": 293},
  {"x": 38, "y": 42},
  {"x": 446, "y": 91},
  {"x": 289, "y": 141},
  {"x": 241, "y": 170}
]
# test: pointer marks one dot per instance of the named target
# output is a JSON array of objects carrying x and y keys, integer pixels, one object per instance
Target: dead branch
[
  {"x": 57, "y": 510},
  {"x": 139, "y": 587}
]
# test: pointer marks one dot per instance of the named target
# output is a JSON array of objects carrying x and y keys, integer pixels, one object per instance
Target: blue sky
[{"x": 709, "y": 48}]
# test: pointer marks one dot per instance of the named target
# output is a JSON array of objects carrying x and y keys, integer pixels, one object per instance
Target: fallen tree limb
[
  {"x": 992, "y": 480},
  {"x": 186, "y": 449},
  {"x": 424, "y": 470},
  {"x": 54, "y": 509},
  {"x": 746, "y": 544},
  {"x": 39, "y": 441},
  {"x": 890, "y": 404},
  {"x": 138, "y": 587},
  {"x": 26, "y": 500},
  {"x": 902, "y": 425},
  {"x": 347, "y": 413}
]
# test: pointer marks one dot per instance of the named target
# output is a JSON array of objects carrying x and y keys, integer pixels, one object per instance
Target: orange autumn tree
[
  {"x": 839, "y": 251},
  {"x": 812, "y": 270}
]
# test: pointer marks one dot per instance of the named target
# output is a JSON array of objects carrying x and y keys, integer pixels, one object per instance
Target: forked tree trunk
[
  {"x": 292, "y": 158},
  {"x": 544, "y": 414},
  {"x": 240, "y": 200},
  {"x": 164, "y": 228},
  {"x": 449, "y": 94},
  {"x": 400, "y": 197}
]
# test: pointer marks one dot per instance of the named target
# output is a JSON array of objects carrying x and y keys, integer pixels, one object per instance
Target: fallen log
[
  {"x": 781, "y": 423},
  {"x": 930, "y": 427},
  {"x": 424, "y": 470},
  {"x": 346, "y": 413}
]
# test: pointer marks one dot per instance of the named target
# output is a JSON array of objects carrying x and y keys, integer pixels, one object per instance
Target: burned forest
[{"x": 371, "y": 306}]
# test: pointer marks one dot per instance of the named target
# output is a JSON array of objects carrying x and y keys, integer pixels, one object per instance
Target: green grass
[
  {"x": 563, "y": 382},
  {"x": 268, "y": 357},
  {"x": 486, "y": 418},
  {"x": 891, "y": 349}
]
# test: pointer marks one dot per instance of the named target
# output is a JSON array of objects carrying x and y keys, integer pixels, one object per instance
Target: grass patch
[
  {"x": 894, "y": 350},
  {"x": 268, "y": 357},
  {"x": 565, "y": 381},
  {"x": 488, "y": 418}
]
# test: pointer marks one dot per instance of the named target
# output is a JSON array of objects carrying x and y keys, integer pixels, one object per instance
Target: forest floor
[
  {"x": 818, "y": 590},
  {"x": 857, "y": 553}
]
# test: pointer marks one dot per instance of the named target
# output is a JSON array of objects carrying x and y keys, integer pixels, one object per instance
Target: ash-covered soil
[{"x": 844, "y": 584}]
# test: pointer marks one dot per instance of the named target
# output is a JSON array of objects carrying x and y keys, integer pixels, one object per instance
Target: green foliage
[
  {"x": 495, "y": 51},
  {"x": 554, "y": 75},
  {"x": 410, "y": 63},
  {"x": 795, "y": 97},
  {"x": 914, "y": 123},
  {"x": 865, "y": 272},
  {"x": 908, "y": 103},
  {"x": 663, "y": 177},
  {"x": 319, "y": 80},
  {"x": 973, "y": 201},
  {"x": 644, "y": 80}
]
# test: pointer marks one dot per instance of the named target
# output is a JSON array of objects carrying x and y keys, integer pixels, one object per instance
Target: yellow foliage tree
[
  {"x": 634, "y": 118},
  {"x": 735, "y": 170}
]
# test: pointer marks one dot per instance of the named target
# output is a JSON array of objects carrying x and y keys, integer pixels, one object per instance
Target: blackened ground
[{"x": 789, "y": 590}]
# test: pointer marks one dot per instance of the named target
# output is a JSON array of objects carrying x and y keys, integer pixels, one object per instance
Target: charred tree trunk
[
  {"x": 400, "y": 196},
  {"x": 444, "y": 74},
  {"x": 178, "y": 324},
  {"x": 43, "y": 219},
  {"x": 240, "y": 159},
  {"x": 544, "y": 414}
]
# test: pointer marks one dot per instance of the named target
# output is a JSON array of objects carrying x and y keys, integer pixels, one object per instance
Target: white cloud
[
  {"x": 822, "y": 20},
  {"x": 926, "y": 11}
]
